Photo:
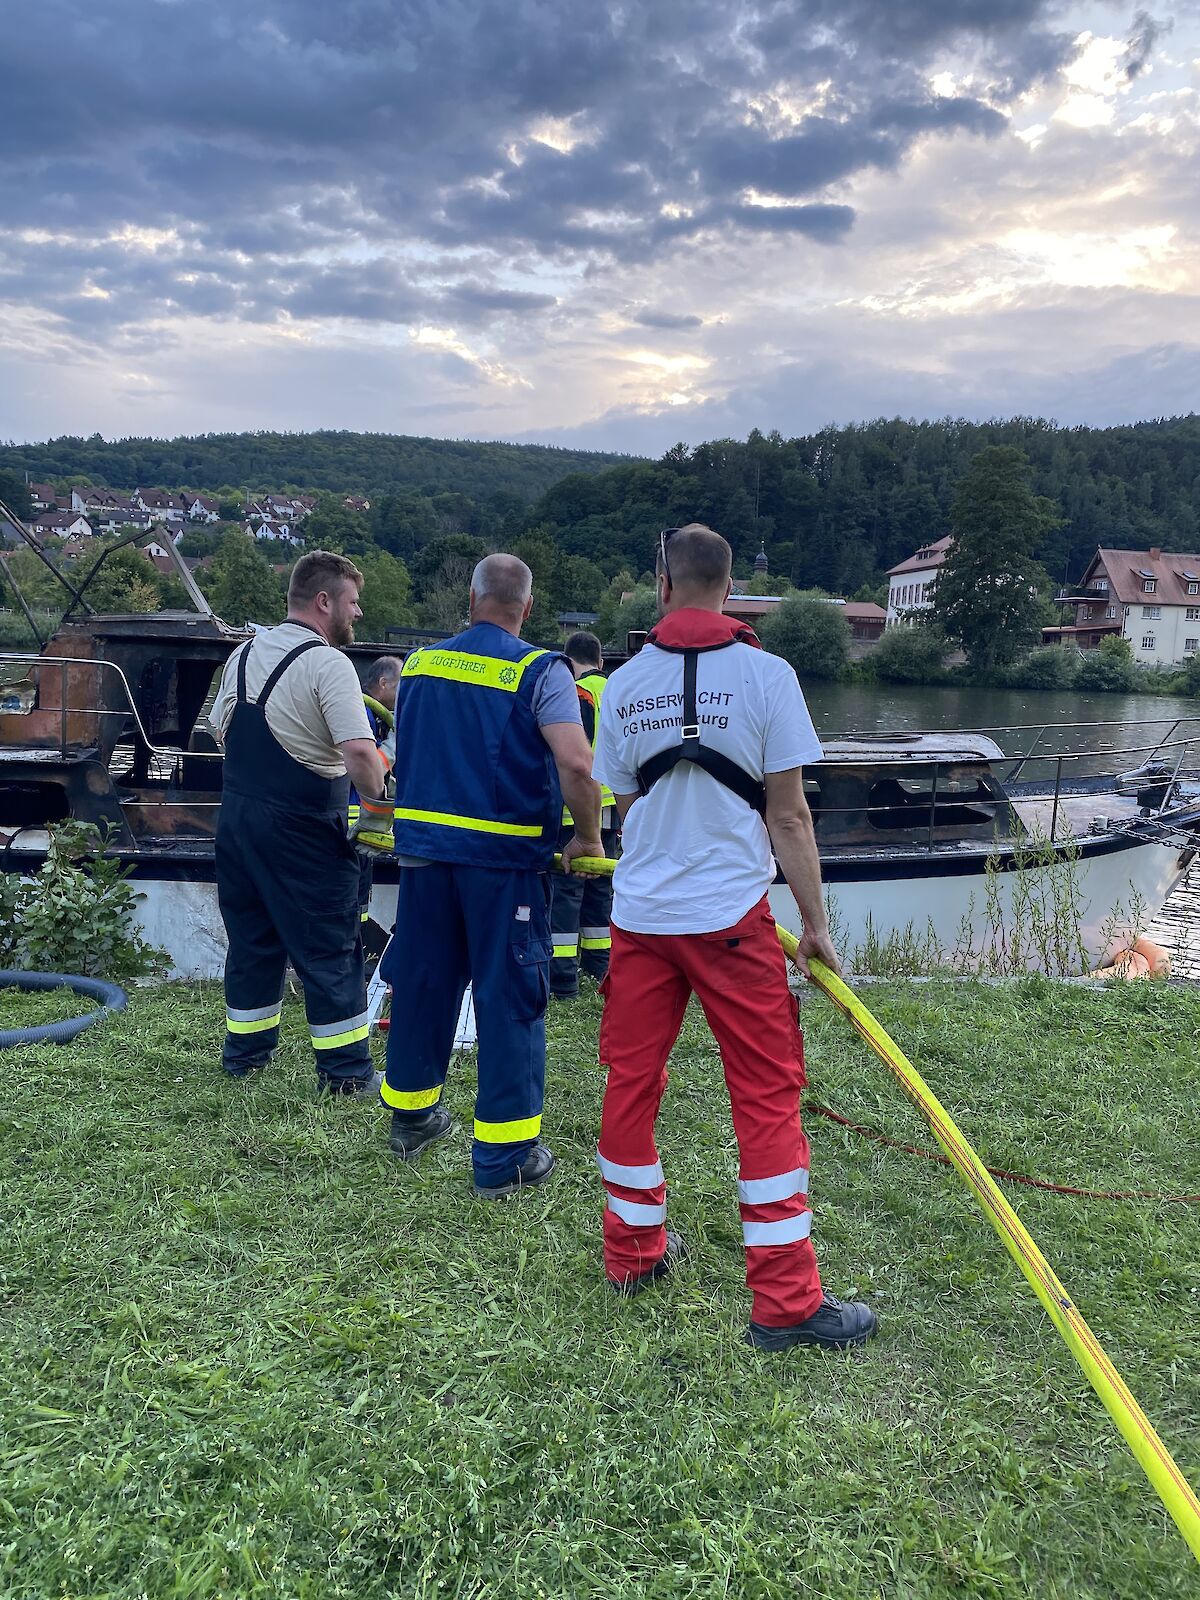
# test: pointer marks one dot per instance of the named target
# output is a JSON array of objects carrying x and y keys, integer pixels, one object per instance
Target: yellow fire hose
[{"x": 1152, "y": 1455}]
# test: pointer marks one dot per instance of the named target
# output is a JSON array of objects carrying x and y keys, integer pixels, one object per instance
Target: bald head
[
  {"x": 501, "y": 592},
  {"x": 699, "y": 565}
]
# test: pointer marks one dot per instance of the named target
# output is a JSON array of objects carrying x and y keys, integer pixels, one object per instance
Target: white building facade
[
  {"x": 910, "y": 583},
  {"x": 1148, "y": 597}
]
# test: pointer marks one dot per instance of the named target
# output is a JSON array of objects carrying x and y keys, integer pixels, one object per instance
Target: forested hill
[
  {"x": 342, "y": 463},
  {"x": 836, "y": 509}
]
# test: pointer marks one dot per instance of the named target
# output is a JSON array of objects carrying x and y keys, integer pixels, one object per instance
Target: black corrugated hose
[{"x": 111, "y": 998}]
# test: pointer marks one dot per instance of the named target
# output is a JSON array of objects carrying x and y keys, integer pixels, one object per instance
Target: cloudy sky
[{"x": 602, "y": 226}]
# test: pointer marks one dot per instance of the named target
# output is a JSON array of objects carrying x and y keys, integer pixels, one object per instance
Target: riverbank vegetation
[
  {"x": 245, "y": 1353},
  {"x": 832, "y": 510}
]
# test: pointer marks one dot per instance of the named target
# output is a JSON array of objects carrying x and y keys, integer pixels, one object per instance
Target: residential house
[
  {"x": 44, "y": 497},
  {"x": 120, "y": 514},
  {"x": 61, "y": 525},
  {"x": 355, "y": 502},
  {"x": 1148, "y": 597},
  {"x": 161, "y": 506},
  {"x": 910, "y": 583},
  {"x": 161, "y": 561},
  {"x": 201, "y": 508},
  {"x": 269, "y": 529},
  {"x": 91, "y": 500}
]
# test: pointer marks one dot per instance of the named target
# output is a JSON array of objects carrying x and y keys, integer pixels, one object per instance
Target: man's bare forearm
[
  {"x": 795, "y": 849},
  {"x": 581, "y": 794}
]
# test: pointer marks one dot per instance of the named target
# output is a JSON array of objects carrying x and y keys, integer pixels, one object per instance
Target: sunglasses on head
[{"x": 664, "y": 538}]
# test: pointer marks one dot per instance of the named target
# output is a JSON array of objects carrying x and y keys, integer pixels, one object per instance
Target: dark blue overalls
[
  {"x": 477, "y": 799},
  {"x": 287, "y": 884}
]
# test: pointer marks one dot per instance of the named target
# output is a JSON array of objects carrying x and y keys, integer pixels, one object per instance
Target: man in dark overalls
[{"x": 296, "y": 732}]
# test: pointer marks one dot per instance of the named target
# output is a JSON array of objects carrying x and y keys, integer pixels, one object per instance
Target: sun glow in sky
[{"x": 600, "y": 227}]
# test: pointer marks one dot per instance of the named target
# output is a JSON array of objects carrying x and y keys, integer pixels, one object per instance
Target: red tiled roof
[
  {"x": 863, "y": 611},
  {"x": 1127, "y": 570},
  {"x": 927, "y": 558}
]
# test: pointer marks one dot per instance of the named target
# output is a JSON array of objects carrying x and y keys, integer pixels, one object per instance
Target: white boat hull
[{"x": 1011, "y": 921}]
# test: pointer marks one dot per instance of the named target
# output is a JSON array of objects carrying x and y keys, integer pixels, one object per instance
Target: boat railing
[{"x": 72, "y": 668}]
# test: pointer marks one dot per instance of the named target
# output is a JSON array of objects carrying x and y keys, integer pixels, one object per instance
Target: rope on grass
[
  {"x": 111, "y": 998},
  {"x": 1001, "y": 1172}
]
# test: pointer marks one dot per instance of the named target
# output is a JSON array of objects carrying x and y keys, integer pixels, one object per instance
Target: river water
[{"x": 1013, "y": 717}]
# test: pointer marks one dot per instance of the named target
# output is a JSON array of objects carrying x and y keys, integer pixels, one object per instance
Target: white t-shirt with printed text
[{"x": 695, "y": 857}]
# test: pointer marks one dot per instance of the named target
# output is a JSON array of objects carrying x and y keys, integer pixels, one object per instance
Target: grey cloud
[
  {"x": 1146, "y": 33},
  {"x": 393, "y": 119},
  {"x": 667, "y": 319},
  {"x": 822, "y": 222}
]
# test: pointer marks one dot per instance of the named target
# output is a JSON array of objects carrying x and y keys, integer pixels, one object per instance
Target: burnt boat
[{"x": 924, "y": 836}]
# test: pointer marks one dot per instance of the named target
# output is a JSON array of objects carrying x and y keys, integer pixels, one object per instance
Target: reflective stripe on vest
[
  {"x": 485, "y": 672},
  {"x": 595, "y": 684},
  {"x": 447, "y": 819}
]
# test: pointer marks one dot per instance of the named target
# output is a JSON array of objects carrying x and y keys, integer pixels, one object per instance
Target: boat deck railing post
[
  {"x": 1016, "y": 771},
  {"x": 1167, "y": 792},
  {"x": 933, "y": 792},
  {"x": 1057, "y": 792}
]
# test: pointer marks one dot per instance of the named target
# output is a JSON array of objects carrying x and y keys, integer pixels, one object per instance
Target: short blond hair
[
  {"x": 320, "y": 570},
  {"x": 698, "y": 557}
]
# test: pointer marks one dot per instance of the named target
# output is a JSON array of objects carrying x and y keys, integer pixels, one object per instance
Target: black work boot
[
  {"x": 351, "y": 1088},
  {"x": 671, "y": 1256},
  {"x": 834, "y": 1325},
  {"x": 535, "y": 1168},
  {"x": 409, "y": 1138}
]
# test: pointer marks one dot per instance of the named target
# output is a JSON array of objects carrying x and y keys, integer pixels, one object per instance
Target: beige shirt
[{"x": 316, "y": 705}]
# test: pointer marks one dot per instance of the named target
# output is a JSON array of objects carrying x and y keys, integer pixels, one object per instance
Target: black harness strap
[
  {"x": 265, "y": 692},
  {"x": 689, "y": 748}
]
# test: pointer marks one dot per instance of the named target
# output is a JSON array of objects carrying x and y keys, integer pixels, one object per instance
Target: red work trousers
[{"x": 739, "y": 977}]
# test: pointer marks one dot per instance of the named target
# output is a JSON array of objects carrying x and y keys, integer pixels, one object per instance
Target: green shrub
[
  {"x": 75, "y": 914},
  {"x": 813, "y": 636},
  {"x": 1109, "y": 670},
  {"x": 1052, "y": 667},
  {"x": 910, "y": 655}
]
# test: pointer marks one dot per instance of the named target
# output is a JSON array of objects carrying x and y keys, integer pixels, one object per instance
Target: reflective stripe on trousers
[
  {"x": 333, "y": 1035},
  {"x": 255, "y": 1021}
]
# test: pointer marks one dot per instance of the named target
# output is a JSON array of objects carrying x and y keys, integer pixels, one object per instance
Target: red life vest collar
[{"x": 689, "y": 628}]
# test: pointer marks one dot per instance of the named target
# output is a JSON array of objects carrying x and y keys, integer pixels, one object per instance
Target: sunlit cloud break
[{"x": 608, "y": 228}]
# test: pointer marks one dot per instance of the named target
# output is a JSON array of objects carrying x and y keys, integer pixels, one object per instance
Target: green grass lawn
[{"x": 243, "y": 1352}]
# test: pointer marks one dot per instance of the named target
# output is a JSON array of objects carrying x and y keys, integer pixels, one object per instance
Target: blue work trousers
[{"x": 489, "y": 927}]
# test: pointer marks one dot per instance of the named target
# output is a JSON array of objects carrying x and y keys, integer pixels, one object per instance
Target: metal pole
[
  {"x": 38, "y": 551},
  {"x": 24, "y": 605},
  {"x": 1057, "y": 788},
  {"x": 932, "y": 808}
]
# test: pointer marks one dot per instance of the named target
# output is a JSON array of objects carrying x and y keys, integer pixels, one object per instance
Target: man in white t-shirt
[{"x": 703, "y": 738}]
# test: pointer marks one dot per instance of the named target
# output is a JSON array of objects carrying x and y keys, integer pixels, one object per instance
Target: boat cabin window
[{"x": 963, "y": 799}]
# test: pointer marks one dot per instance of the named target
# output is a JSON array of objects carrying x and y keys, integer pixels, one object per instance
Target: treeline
[
  {"x": 334, "y": 461},
  {"x": 835, "y": 510}
]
